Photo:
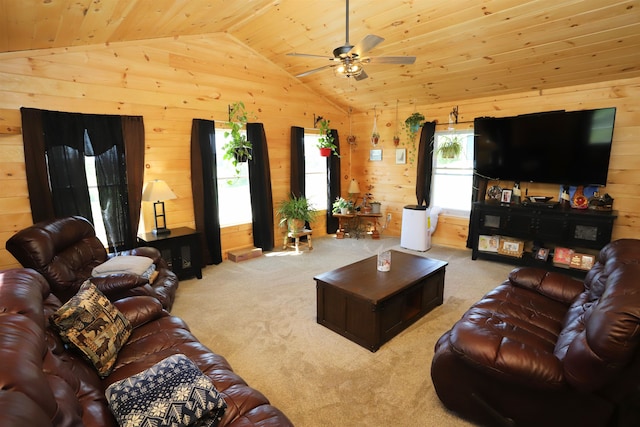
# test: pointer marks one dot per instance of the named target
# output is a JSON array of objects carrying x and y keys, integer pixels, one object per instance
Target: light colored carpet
[{"x": 261, "y": 315}]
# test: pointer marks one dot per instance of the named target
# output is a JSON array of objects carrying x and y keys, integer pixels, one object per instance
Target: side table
[
  {"x": 295, "y": 235},
  {"x": 181, "y": 250}
]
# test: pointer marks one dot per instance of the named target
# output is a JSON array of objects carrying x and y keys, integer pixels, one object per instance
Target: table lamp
[{"x": 157, "y": 191}]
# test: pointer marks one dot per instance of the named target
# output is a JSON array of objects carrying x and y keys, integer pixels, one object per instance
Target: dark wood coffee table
[{"x": 370, "y": 307}]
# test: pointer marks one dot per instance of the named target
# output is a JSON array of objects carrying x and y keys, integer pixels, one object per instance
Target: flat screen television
[{"x": 563, "y": 147}]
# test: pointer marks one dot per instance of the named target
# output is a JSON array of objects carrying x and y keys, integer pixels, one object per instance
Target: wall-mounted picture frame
[
  {"x": 375, "y": 155},
  {"x": 506, "y": 196},
  {"x": 401, "y": 156}
]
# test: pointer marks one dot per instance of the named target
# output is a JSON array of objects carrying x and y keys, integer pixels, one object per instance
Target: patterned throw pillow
[
  {"x": 94, "y": 326},
  {"x": 173, "y": 392}
]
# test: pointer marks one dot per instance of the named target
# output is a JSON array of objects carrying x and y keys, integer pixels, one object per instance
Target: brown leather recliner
[
  {"x": 66, "y": 250},
  {"x": 544, "y": 349}
]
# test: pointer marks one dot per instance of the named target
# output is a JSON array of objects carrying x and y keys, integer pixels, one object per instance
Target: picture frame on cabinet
[
  {"x": 506, "y": 196},
  {"x": 542, "y": 254}
]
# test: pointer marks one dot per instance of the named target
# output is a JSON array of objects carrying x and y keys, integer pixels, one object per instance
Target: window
[
  {"x": 234, "y": 197},
  {"x": 452, "y": 184},
  {"x": 315, "y": 177},
  {"x": 94, "y": 198}
]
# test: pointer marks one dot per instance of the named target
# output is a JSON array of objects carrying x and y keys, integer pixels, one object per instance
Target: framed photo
[
  {"x": 488, "y": 243},
  {"x": 506, "y": 196},
  {"x": 375, "y": 155},
  {"x": 401, "y": 156},
  {"x": 511, "y": 247},
  {"x": 542, "y": 254}
]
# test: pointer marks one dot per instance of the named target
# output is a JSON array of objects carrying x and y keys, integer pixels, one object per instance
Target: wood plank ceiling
[{"x": 464, "y": 48}]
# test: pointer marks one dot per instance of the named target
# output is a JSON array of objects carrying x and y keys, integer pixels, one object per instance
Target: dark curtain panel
[
  {"x": 36, "y": 165},
  {"x": 204, "y": 186},
  {"x": 425, "y": 164},
  {"x": 133, "y": 136},
  {"x": 65, "y": 146},
  {"x": 297, "y": 180},
  {"x": 333, "y": 184},
  {"x": 68, "y": 182},
  {"x": 260, "y": 187}
]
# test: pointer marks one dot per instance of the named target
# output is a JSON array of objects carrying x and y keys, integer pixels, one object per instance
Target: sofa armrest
[
  {"x": 140, "y": 309},
  {"x": 117, "y": 283},
  {"x": 149, "y": 252},
  {"x": 557, "y": 286}
]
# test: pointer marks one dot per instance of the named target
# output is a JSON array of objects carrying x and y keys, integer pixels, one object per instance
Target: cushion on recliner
[
  {"x": 173, "y": 392},
  {"x": 94, "y": 326}
]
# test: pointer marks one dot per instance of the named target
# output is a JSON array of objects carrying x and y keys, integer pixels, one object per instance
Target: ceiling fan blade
[
  {"x": 309, "y": 55},
  {"x": 391, "y": 60},
  {"x": 366, "y": 44},
  {"x": 315, "y": 70},
  {"x": 363, "y": 75}
]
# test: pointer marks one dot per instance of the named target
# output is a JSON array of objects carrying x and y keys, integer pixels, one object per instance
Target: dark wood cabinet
[
  {"x": 546, "y": 226},
  {"x": 181, "y": 250}
]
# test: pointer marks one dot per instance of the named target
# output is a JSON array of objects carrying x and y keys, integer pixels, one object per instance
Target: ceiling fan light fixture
[{"x": 349, "y": 69}]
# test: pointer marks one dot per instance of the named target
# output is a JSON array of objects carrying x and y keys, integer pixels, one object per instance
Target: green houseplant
[
  {"x": 450, "y": 148},
  {"x": 413, "y": 123},
  {"x": 342, "y": 205},
  {"x": 238, "y": 148},
  {"x": 295, "y": 211},
  {"x": 412, "y": 126},
  {"x": 325, "y": 142}
]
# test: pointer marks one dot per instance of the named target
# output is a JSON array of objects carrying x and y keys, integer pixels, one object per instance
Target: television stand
[{"x": 584, "y": 230}]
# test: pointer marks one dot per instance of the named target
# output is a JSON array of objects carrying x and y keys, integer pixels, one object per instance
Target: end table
[{"x": 180, "y": 249}]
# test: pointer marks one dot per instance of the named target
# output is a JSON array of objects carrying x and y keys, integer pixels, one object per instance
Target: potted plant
[
  {"x": 450, "y": 148},
  {"x": 325, "y": 142},
  {"x": 295, "y": 212},
  {"x": 375, "y": 207},
  {"x": 238, "y": 149},
  {"x": 342, "y": 206},
  {"x": 413, "y": 123}
]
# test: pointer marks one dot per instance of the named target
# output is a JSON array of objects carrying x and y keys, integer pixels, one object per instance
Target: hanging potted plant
[
  {"x": 325, "y": 142},
  {"x": 396, "y": 137},
  {"x": 375, "y": 136},
  {"x": 450, "y": 148},
  {"x": 294, "y": 212},
  {"x": 238, "y": 148},
  {"x": 413, "y": 123},
  {"x": 412, "y": 126}
]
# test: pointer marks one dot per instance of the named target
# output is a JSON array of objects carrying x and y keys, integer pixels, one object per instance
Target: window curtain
[
  {"x": 296, "y": 180},
  {"x": 133, "y": 135},
  {"x": 204, "y": 187},
  {"x": 55, "y": 146},
  {"x": 260, "y": 188},
  {"x": 425, "y": 164},
  {"x": 333, "y": 184}
]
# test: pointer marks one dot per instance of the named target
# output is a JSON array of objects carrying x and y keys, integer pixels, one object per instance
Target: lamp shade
[
  {"x": 157, "y": 190},
  {"x": 354, "y": 188}
]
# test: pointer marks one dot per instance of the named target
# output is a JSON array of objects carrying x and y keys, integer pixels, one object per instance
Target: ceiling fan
[{"x": 348, "y": 60}]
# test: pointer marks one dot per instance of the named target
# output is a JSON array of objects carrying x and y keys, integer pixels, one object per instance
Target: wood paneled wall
[
  {"x": 171, "y": 81},
  {"x": 394, "y": 185}
]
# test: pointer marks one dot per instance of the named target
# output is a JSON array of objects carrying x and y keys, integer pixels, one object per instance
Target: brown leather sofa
[
  {"x": 66, "y": 250},
  {"x": 544, "y": 349},
  {"x": 42, "y": 383}
]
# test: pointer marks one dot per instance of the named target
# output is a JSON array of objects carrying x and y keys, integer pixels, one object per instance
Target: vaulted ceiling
[{"x": 464, "y": 48}]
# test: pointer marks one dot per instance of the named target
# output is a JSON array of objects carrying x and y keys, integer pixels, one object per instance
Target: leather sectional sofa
[
  {"x": 43, "y": 382},
  {"x": 544, "y": 349}
]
